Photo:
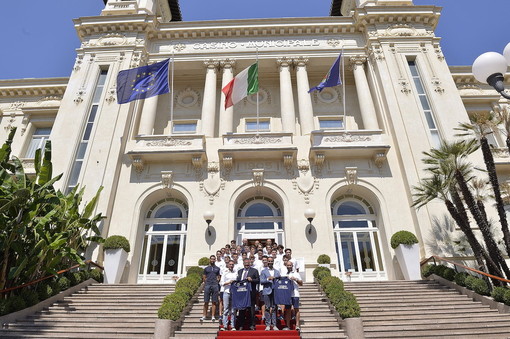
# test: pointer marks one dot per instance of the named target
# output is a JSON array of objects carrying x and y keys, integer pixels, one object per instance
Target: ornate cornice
[
  {"x": 389, "y": 15},
  {"x": 54, "y": 87}
]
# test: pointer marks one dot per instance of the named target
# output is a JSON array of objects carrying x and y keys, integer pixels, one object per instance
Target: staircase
[
  {"x": 97, "y": 311},
  {"x": 424, "y": 309}
]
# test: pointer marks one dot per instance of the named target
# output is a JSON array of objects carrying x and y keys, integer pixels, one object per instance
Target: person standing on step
[
  {"x": 252, "y": 275},
  {"x": 211, "y": 278},
  {"x": 296, "y": 279},
  {"x": 228, "y": 277},
  {"x": 267, "y": 277}
]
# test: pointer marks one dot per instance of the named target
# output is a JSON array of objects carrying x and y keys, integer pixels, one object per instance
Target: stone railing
[{"x": 254, "y": 140}]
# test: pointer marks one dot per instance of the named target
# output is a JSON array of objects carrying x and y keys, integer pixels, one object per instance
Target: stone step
[
  {"x": 436, "y": 317},
  {"x": 439, "y": 321},
  {"x": 28, "y": 334},
  {"x": 417, "y": 305},
  {"x": 444, "y": 332}
]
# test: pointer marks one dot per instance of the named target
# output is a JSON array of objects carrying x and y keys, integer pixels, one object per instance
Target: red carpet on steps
[{"x": 260, "y": 332}]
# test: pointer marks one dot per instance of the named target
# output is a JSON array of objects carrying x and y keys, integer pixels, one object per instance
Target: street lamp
[
  {"x": 208, "y": 216},
  {"x": 309, "y": 215},
  {"x": 490, "y": 67}
]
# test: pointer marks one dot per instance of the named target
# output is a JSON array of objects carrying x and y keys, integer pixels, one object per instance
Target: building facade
[{"x": 350, "y": 153}]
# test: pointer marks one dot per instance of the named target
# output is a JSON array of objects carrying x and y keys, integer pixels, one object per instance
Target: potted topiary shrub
[
  {"x": 203, "y": 262},
  {"x": 116, "y": 249},
  {"x": 407, "y": 250},
  {"x": 324, "y": 260}
]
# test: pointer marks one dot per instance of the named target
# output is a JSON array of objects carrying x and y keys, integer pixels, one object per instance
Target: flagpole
[
  {"x": 343, "y": 86},
  {"x": 258, "y": 113},
  {"x": 172, "y": 97}
]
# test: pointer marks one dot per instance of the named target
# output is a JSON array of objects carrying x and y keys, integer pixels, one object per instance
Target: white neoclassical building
[{"x": 350, "y": 153}]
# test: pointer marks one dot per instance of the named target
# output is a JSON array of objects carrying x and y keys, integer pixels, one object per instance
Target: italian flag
[{"x": 244, "y": 84}]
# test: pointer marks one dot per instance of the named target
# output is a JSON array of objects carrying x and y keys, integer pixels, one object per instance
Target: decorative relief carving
[
  {"x": 400, "y": 30},
  {"x": 258, "y": 139},
  {"x": 333, "y": 42},
  {"x": 439, "y": 52},
  {"x": 437, "y": 86},
  {"x": 112, "y": 39},
  {"x": 264, "y": 97},
  {"x": 111, "y": 94},
  {"x": 138, "y": 165},
  {"x": 227, "y": 163},
  {"x": 212, "y": 185},
  {"x": 16, "y": 106},
  {"x": 375, "y": 53},
  {"x": 79, "y": 95},
  {"x": 167, "y": 179},
  {"x": 351, "y": 175},
  {"x": 329, "y": 95},
  {"x": 358, "y": 60},
  {"x": 283, "y": 62},
  {"x": 197, "y": 163},
  {"x": 49, "y": 101},
  {"x": 347, "y": 137},
  {"x": 24, "y": 123},
  {"x": 303, "y": 166},
  {"x": 167, "y": 142},
  {"x": 500, "y": 152},
  {"x": 138, "y": 58},
  {"x": 212, "y": 64},
  {"x": 188, "y": 98},
  {"x": 300, "y": 61},
  {"x": 77, "y": 63},
  {"x": 405, "y": 86},
  {"x": 305, "y": 184},
  {"x": 288, "y": 161},
  {"x": 258, "y": 177},
  {"x": 179, "y": 47},
  {"x": 28, "y": 163},
  {"x": 319, "y": 161},
  {"x": 227, "y": 63},
  {"x": 379, "y": 159}
]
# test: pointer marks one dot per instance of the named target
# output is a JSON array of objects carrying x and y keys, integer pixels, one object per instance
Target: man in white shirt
[
  {"x": 288, "y": 253},
  {"x": 296, "y": 278},
  {"x": 228, "y": 277}
]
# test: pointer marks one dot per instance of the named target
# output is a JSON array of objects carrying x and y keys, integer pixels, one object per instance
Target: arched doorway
[
  {"x": 259, "y": 217},
  {"x": 357, "y": 239},
  {"x": 164, "y": 241}
]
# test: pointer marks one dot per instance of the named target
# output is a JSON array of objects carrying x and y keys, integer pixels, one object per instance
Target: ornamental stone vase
[
  {"x": 114, "y": 263},
  {"x": 408, "y": 257}
]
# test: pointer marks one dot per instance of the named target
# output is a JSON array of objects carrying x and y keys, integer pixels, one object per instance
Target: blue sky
[{"x": 38, "y": 37}]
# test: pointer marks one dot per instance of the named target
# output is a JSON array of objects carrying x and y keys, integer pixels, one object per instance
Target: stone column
[
  {"x": 209, "y": 104},
  {"x": 304, "y": 98},
  {"x": 226, "y": 115},
  {"x": 148, "y": 117},
  {"x": 366, "y": 104},
  {"x": 288, "y": 112}
]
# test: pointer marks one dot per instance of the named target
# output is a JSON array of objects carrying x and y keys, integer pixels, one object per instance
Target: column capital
[
  {"x": 358, "y": 60},
  {"x": 227, "y": 63},
  {"x": 284, "y": 62},
  {"x": 211, "y": 64},
  {"x": 300, "y": 61}
]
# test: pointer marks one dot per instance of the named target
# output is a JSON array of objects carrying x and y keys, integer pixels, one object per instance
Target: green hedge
[
  {"x": 195, "y": 270},
  {"x": 320, "y": 269},
  {"x": 116, "y": 241},
  {"x": 403, "y": 237},
  {"x": 174, "y": 304},
  {"x": 204, "y": 261},
  {"x": 97, "y": 275},
  {"x": 506, "y": 298},
  {"x": 344, "y": 302},
  {"x": 460, "y": 278},
  {"x": 498, "y": 293}
]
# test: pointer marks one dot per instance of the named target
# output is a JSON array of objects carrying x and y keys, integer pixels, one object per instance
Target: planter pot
[
  {"x": 164, "y": 328},
  {"x": 325, "y": 265},
  {"x": 114, "y": 263},
  {"x": 354, "y": 328},
  {"x": 408, "y": 257}
]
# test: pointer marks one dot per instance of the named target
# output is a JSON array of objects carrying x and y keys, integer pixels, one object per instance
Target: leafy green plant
[
  {"x": 169, "y": 311},
  {"x": 44, "y": 291},
  {"x": 506, "y": 298},
  {"x": 115, "y": 242},
  {"x": 97, "y": 275},
  {"x": 320, "y": 269},
  {"x": 85, "y": 275},
  {"x": 321, "y": 275},
  {"x": 427, "y": 270},
  {"x": 75, "y": 278},
  {"x": 184, "y": 289},
  {"x": 63, "y": 283},
  {"x": 347, "y": 306},
  {"x": 324, "y": 259},
  {"x": 404, "y": 238},
  {"x": 449, "y": 274},
  {"x": 204, "y": 261},
  {"x": 498, "y": 293},
  {"x": 3, "y": 307},
  {"x": 178, "y": 298},
  {"x": 460, "y": 278},
  {"x": 477, "y": 285},
  {"x": 195, "y": 270},
  {"x": 30, "y": 297},
  {"x": 15, "y": 303}
]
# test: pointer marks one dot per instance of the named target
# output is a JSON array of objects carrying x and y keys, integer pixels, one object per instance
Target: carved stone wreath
[
  {"x": 328, "y": 95},
  {"x": 167, "y": 142},
  {"x": 112, "y": 39},
  {"x": 188, "y": 98},
  {"x": 264, "y": 97},
  {"x": 258, "y": 140}
]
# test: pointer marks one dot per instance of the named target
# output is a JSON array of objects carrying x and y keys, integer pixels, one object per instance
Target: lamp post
[
  {"x": 309, "y": 215},
  {"x": 208, "y": 217},
  {"x": 490, "y": 68}
]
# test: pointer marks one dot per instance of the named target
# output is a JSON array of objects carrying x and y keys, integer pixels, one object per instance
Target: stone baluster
[
  {"x": 209, "y": 104},
  {"x": 366, "y": 103},
  {"x": 304, "y": 98},
  {"x": 226, "y": 115},
  {"x": 288, "y": 113}
]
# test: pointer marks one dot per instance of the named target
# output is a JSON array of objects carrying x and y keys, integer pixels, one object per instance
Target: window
[
  {"x": 263, "y": 125},
  {"x": 425, "y": 104},
  {"x": 38, "y": 141},
  {"x": 331, "y": 123},
  {"x": 184, "y": 127}
]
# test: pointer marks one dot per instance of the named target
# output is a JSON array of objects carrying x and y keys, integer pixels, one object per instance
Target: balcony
[
  {"x": 161, "y": 148},
  {"x": 501, "y": 158},
  {"x": 370, "y": 144}
]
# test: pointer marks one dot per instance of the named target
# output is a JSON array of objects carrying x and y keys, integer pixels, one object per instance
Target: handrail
[
  {"x": 87, "y": 262},
  {"x": 423, "y": 262}
]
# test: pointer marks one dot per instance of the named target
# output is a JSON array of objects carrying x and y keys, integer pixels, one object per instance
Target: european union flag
[
  {"x": 143, "y": 82},
  {"x": 332, "y": 78}
]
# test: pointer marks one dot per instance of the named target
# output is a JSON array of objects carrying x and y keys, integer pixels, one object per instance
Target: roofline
[{"x": 175, "y": 9}]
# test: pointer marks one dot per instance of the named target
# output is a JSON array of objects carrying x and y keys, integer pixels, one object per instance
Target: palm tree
[{"x": 481, "y": 125}]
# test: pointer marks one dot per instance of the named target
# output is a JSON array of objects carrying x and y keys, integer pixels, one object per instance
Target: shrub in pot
[
  {"x": 116, "y": 249},
  {"x": 204, "y": 261},
  {"x": 169, "y": 311},
  {"x": 406, "y": 248},
  {"x": 195, "y": 270}
]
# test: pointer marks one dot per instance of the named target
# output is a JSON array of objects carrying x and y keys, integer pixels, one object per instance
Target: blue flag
[
  {"x": 143, "y": 82},
  {"x": 331, "y": 79}
]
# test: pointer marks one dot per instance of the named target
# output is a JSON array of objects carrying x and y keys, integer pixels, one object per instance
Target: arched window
[
  {"x": 357, "y": 239},
  {"x": 164, "y": 241},
  {"x": 259, "y": 218}
]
